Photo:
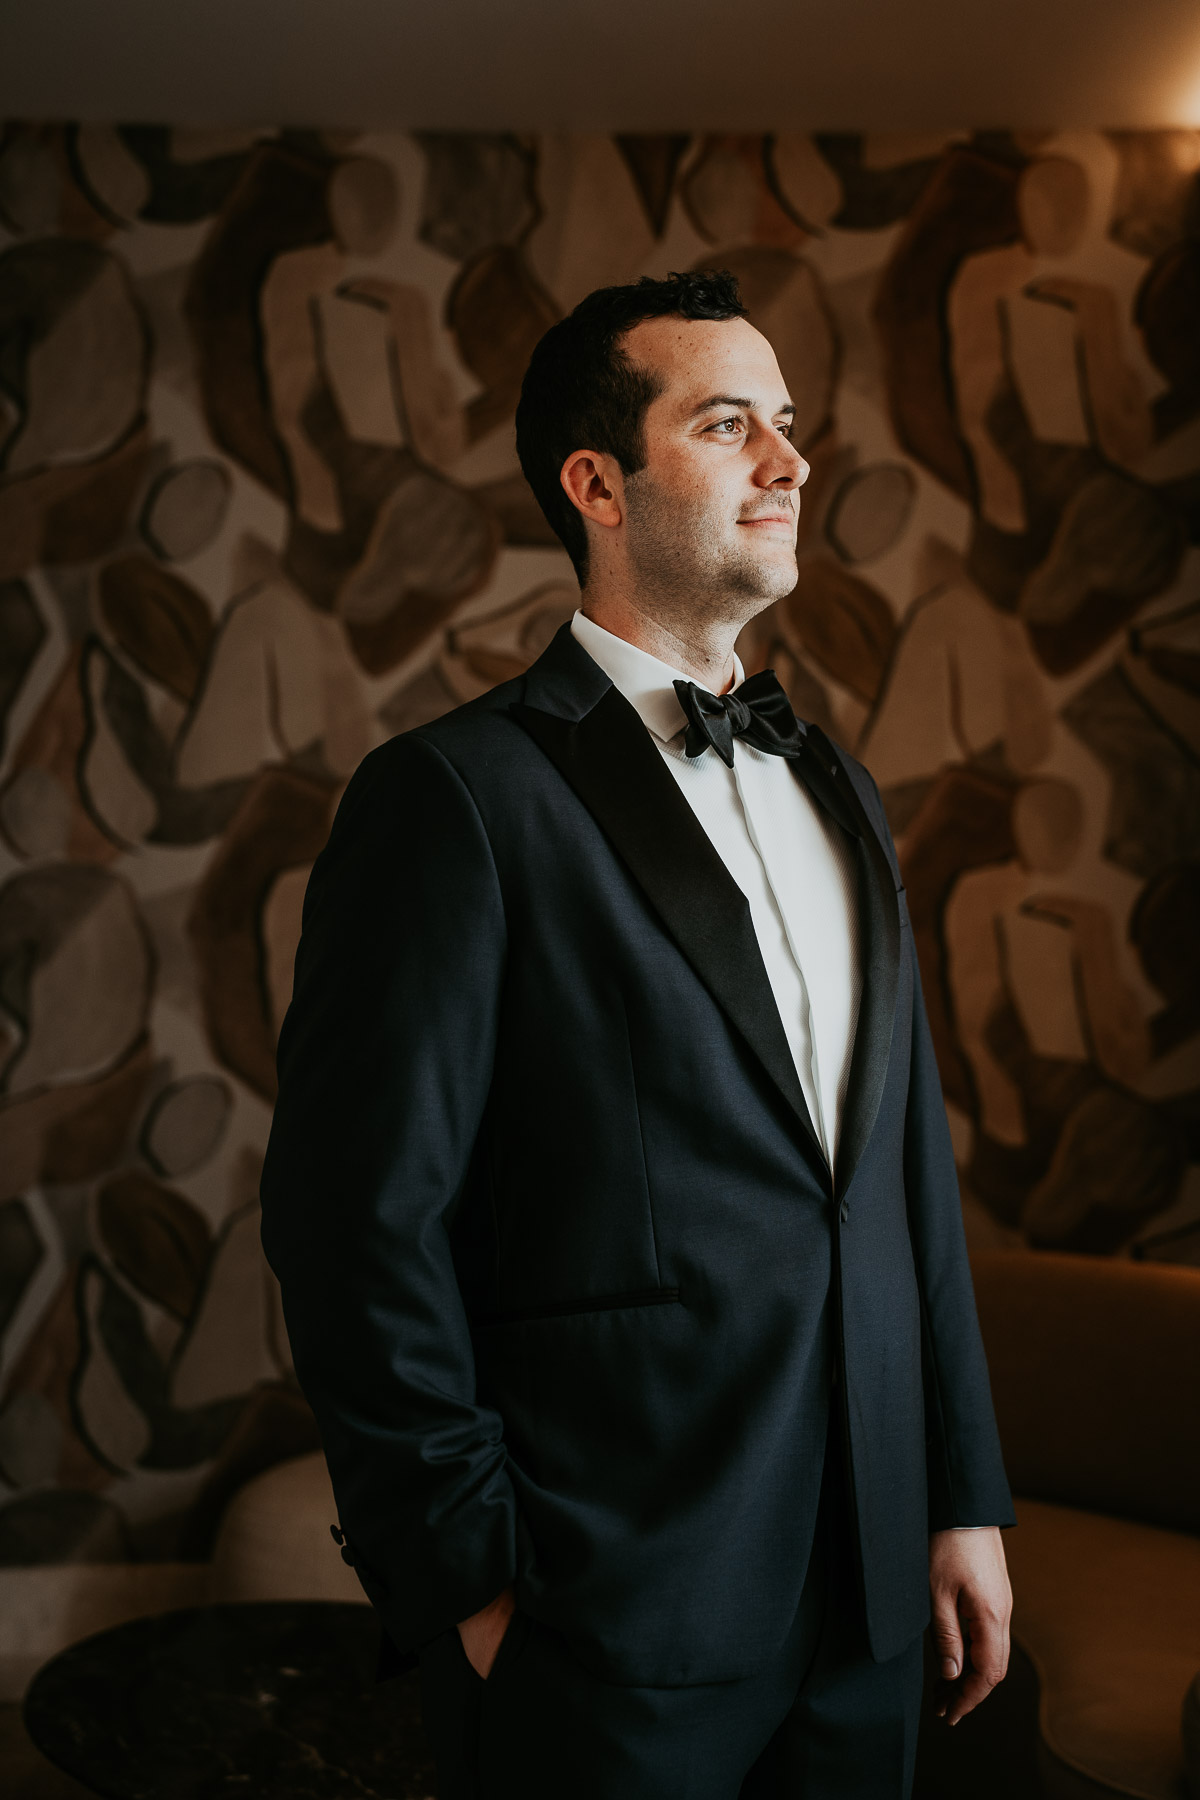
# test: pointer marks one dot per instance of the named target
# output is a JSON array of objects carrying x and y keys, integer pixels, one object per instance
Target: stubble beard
[{"x": 687, "y": 568}]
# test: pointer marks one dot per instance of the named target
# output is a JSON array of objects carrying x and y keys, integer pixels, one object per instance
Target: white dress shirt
[{"x": 793, "y": 863}]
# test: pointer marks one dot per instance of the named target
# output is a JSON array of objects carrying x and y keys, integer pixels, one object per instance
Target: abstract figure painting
[{"x": 260, "y": 508}]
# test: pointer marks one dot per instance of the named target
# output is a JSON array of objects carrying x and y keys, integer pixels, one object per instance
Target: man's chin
[{"x": 768, "y": 578}]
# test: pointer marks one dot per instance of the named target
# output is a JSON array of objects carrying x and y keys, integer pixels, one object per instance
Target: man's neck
[{"x": 705, "y": 653}]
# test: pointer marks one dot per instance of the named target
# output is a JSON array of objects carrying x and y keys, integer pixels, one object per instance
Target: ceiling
[{"x": 880, "y": 65}]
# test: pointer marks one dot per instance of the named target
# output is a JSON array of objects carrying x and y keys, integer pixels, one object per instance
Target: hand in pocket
[{"x": 483, "y": 1633}]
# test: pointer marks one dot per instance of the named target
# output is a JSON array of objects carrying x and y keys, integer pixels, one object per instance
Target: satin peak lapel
[
  {"x": 608, "y": 757},
  {"x": 879, "y": 938}
]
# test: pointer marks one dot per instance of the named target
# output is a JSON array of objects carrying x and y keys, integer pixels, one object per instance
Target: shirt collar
[{"x": 645, "y": 682}]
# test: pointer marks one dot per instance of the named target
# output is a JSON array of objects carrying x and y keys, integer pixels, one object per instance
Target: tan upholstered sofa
[{"x": 1096, "y": 1374}]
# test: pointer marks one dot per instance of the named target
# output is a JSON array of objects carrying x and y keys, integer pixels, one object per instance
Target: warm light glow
[{"x": 1189, "y": 107}]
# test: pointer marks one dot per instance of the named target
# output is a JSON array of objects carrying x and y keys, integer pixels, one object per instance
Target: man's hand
[
  {"x": 972, "y": 1605},
  {"x": 483, "y": 1633}
]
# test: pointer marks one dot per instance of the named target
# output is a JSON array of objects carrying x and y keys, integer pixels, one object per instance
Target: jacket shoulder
[{"x": 469, "y": 738}]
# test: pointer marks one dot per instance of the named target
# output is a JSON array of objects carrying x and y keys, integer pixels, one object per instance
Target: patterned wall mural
[{"x": 260, "y": 508}]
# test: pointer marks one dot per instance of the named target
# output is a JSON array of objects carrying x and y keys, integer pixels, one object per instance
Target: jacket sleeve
[
  {"x": 385, "y": 1064},
  {"x": 967, "y": 1483}
]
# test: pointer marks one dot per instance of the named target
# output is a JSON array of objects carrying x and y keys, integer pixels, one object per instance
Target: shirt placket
[{"x": 747, "y": 805}]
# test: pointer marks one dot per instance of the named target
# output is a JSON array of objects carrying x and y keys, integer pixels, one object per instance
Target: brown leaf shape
[
  {"x": 497, "y": 312},
  {"x": 45, "y": 1367},
  {"x": 71, "y": 512},
  {"x": 62, "y": 1134},
  {"x": 1118, "y": 1162},
  {"x": 431, "y": 546},
  {"x": 158, "y": 1240},
  {"x": 652, "y": 159},
  {"x": 281, "y": 824},
  {"x": 844, "y": 624},
  {"x": 278, "y": 204},
  {"x": 731, "y": 199},
  {"x": 968, "y": 204},
  {"x": 158, "y": 619}
]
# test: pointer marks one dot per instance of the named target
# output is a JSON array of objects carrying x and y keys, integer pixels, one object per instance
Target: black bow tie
[{"x": 759, "y": 711}]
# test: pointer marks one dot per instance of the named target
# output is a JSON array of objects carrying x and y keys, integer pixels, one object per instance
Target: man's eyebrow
[{"x": 735, "y": 400}]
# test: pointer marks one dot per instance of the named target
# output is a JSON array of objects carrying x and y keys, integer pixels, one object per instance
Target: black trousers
[{"x": 822, "y": 1722}]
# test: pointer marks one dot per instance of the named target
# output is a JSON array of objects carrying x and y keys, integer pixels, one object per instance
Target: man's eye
[{"x": 722, "y": 423}]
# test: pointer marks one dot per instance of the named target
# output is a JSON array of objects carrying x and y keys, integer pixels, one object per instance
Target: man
[{"x": 610, "y": 1187}]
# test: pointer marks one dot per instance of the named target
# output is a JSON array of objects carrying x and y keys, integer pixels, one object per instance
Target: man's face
[{"x": 711, "y": 518}]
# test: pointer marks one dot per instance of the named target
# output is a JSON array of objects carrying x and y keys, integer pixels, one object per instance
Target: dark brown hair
[{"x": 582, "y": 392}]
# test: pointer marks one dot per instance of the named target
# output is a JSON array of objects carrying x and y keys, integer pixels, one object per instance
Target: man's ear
[{"x": 592, "y": 483}]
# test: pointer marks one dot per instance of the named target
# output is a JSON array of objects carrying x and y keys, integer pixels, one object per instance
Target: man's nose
[{"x": 783, "y": 466}]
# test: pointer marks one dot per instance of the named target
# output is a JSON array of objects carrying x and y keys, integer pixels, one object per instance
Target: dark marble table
[{"x": 272, "y": 1701}]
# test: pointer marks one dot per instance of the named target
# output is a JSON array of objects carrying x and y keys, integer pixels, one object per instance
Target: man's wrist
[
  {"x": 504, "y": 1600},
  {"x": 482, "y": 1634}
]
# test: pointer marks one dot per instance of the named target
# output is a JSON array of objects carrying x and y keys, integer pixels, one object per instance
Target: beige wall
[{"x": 259, "y": 509}]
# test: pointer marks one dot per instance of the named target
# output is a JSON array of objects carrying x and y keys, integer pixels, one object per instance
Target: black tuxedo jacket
[{"x": 568, "y": 1282}]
